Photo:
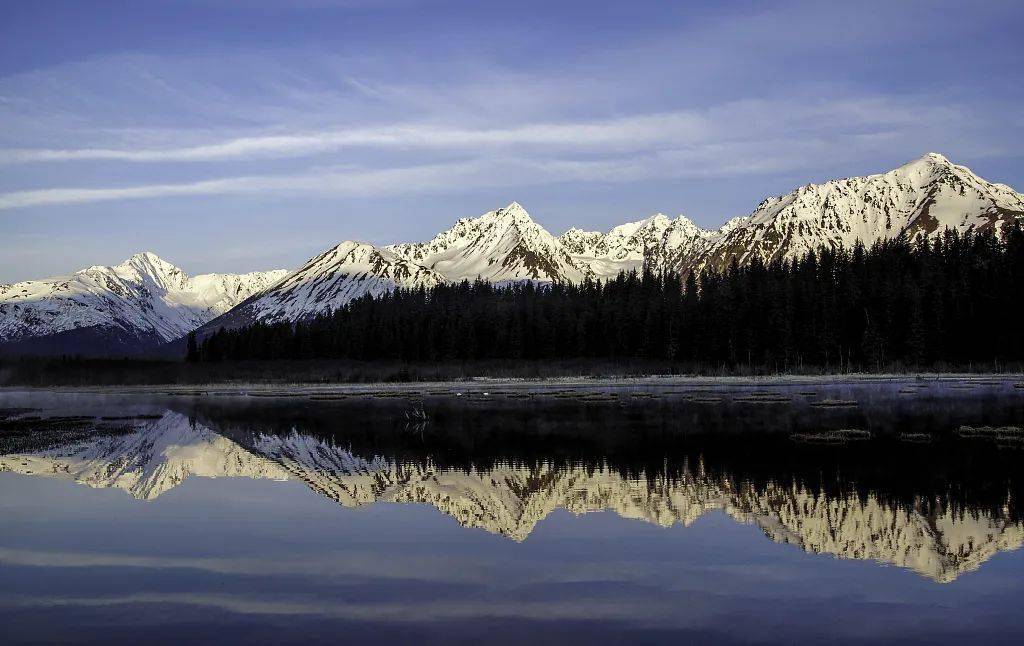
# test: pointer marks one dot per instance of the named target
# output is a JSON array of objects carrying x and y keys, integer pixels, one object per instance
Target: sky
[{"x": 235, "y": 135}]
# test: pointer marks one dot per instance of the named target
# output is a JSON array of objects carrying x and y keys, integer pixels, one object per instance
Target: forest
[{"x": 951, "y": 301}]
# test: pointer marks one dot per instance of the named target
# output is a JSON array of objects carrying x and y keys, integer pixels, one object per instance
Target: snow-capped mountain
[
  {"x": 501, "y": 245},
  {"x": 143, "y": 299},
  {"x": 625, "y": 248},
  {"x": 938, "y": 541},
  {"x": 925, "y": 196},
  {"x": 148, "y": 300},
  {"x": 505, "y": 245}
]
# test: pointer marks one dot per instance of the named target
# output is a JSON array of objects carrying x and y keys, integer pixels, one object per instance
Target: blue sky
[{"x": 228, "y": 135}]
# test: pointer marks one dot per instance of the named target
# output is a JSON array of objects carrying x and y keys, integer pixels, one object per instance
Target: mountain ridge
[{"x": 921, "y": 197}]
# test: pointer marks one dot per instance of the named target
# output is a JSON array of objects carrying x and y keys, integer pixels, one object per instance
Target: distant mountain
[
  {"x": 938, "y": 541},
  {"x": 140, "y": 302},
  {"x": 657, "y": 242},
  {"x": 146, "y": 300}
]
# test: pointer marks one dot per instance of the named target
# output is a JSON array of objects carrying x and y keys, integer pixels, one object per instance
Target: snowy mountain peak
[
  {"x": 501, "y": 245},
  {"x": 937, "y": 158},
  {"x": 144, "y": 298},
  {"x": 655, "y": 242},
  {"x": 515, "y": 209},
  {"x": 146, "y": 256},
  {"x": 657, "y": 220},
  {"x": 924, "y": 169},
  {"x": 148, "y": 260},
  {"x": 923, "y": 197},
  {"x": 513, "y": 215},
  {"x": 151, "y": 268},
  {"x": 352, "y": 251},
  {"x": 326, "y": 282}
]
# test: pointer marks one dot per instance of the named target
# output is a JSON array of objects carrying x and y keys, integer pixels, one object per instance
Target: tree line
[{"x": 951, "y": 301}]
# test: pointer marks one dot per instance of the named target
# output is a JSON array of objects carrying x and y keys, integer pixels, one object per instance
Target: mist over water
[{"x": 778, "y": 512}]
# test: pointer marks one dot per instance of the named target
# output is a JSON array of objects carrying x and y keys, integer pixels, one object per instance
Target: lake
[{"x": 790, "y": 511}]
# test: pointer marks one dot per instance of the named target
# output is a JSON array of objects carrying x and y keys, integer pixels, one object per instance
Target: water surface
[{"x": 790, "y": 512}]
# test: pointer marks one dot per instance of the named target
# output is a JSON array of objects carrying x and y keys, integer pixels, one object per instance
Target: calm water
[{"x": 786, "y": 513}]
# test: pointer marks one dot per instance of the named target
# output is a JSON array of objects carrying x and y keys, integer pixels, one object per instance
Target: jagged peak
[
  {"x": 658, "y": 220},
  {"x": 937, "y": 158},
  {"x": 576, "y": 231},
  {"x": 514, "y": 213},
  {"x": 149, "y": 267},
  {"x": 927, "y": 164},
  {"x": 148, "y": 258},
  {"x": 349, "y": 246},
  {"x": 348, "y": 253},
  {"x": 681, "y": 221},
  {"x": 143, "y": 256},
  {"x": 149, "y": 261}
]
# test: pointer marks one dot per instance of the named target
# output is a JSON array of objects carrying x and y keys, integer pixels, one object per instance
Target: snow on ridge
[
  {"x": 501, "y": 245},
  {"x": 340, "y": 274},
  {"x": 146, "y": 295},
  {"x": 924, "y": 196}
]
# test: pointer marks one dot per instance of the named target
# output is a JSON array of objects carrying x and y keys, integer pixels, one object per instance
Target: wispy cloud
[
  {"x": 701, "y": 160},
  {"x": 475, "y": 173},
  {"x": 726, "y": 123},
  {"x": 635, "y": 131},
  {"x": 337, "y": 183},
  {"x": 753, "y": 137}
]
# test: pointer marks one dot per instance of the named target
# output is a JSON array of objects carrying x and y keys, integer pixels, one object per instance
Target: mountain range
[
  {"x": 938, "y": 541},
  {"x": 146, "y": 301}
]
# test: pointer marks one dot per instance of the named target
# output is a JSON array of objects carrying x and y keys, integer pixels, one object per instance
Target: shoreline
[{"x": 489, "y": 383}]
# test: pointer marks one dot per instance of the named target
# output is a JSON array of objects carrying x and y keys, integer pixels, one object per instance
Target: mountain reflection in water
[{"x": 914, "y": 492}]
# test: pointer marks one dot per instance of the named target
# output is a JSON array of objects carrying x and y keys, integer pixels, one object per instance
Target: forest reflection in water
[{"x": 920, "y": 476}]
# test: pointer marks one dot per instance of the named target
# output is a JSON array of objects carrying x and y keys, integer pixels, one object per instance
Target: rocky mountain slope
[
  {"x": 144, "y": 299},
  {"x": 937, "y": 541}
]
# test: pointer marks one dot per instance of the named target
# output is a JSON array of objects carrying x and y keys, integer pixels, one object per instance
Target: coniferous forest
[{"x": 953, "y": 301}]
